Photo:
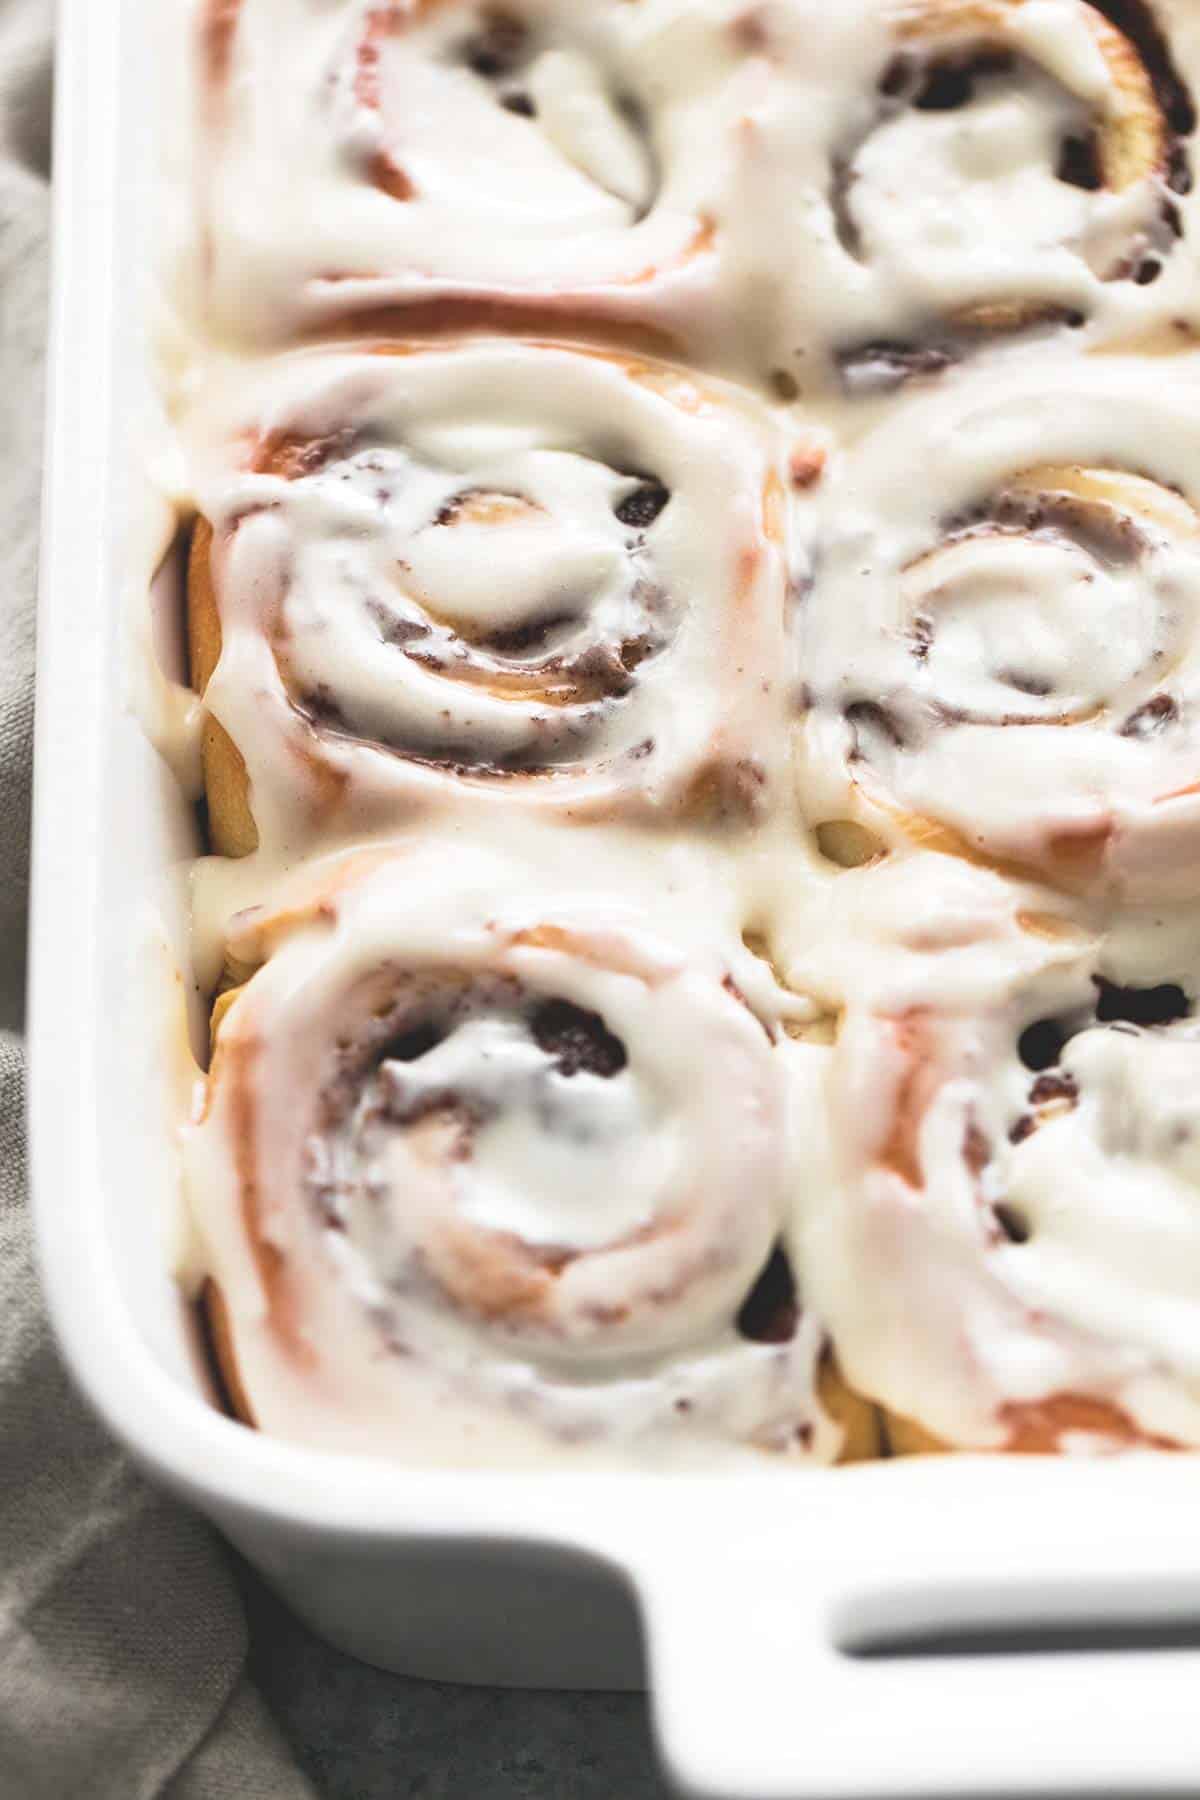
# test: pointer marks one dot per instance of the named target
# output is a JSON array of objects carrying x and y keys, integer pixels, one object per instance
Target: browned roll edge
[
  {"x": 1035, "y": 1428},
  {"x": 226, "y": 784},
  {"x": 220, "y": 1336},
  {"x": 860, "y": 1420}
]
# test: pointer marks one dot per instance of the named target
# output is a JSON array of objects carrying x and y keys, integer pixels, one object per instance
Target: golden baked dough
[{"x": 226, "y": 787}]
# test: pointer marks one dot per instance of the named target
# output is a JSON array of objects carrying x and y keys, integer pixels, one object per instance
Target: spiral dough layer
[
  {"x": 694, "y": 622},
  {"x": 1004, "y": 660},
  {"x": 1014, "y": 1259},
  {"x": 518, "y": 1167},
  {"x": 488, "y": 571},
  {"x": 849, "y": 196},
  {"x": 919, "y": 181},
  {"x": 463, "y": 161}
]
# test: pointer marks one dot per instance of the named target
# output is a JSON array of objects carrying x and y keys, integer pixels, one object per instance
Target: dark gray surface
[{"x": 361, "y": 1734}]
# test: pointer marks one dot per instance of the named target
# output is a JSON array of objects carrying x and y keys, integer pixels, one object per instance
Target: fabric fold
[{"x": 122, "y": 1637}]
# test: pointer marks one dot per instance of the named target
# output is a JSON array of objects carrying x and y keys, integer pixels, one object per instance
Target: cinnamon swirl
[
  {"x": 1003, "y": 660},
  {"x": 486, "y": 571},
  {"x": 1013, "y": 1261},
  {"x": 464, "y": 161},
  {"x": 706, "y": 826},
  {"x": 923, "y": 177},
  {"x": 488, "y": 1180}
]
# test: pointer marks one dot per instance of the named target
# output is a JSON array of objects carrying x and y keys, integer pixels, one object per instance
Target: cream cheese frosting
[
  {"x": 1008, "y": 648},
  {"x": 713, "y": 652},
  {"x": 1013, "y": 1150},
  {"x": 559, "y": 576},
  {"x": 521, "y": 1155},
  {"x": 772, "y": 187},
  {"x": 562, "y": 154},
  {"x": 920, "y": 180}
]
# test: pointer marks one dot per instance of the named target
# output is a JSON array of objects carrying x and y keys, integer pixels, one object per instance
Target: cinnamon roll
[
  {"x": 1013, "y": 1259},
  {"x": 485, "y": 571},
  {"x": 501, "y": 1179},
  {"x": 941, "y": 173},
  {"x": 1003, "y": 659},
  {"x": 468, "y": 163}
]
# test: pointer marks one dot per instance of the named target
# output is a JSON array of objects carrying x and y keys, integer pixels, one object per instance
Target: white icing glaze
[
  {"x": 568, "y": 155},
  {"x": 932, "y": 500},
  {"x": 413, "y": 1196},
  {"x": 919, "y": 225},
  {"x": 695, "y": 168},
  {"x": 561, "y": 573},
  {"x": 1012, "y": 649},
  {"x": 984, "y": 177},
  {"x": 1008, "y": 1238}
]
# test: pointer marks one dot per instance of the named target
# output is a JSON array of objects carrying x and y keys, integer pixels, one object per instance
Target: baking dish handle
[{"x": 778, "y": 1675}]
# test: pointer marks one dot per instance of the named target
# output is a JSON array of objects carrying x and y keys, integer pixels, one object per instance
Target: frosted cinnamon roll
[
  {"x": 488, "y": 571},
  {"x": 1002, "y": 657},
  {"x": 466, "y": 161},
  {"x": 503, "y": 1179},
  {"x": 923, "y": 176},
  {"x": 1013, "y": 1259}
]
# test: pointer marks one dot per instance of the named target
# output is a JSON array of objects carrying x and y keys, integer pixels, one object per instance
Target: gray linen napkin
[{"x": 122, "y": 1637}]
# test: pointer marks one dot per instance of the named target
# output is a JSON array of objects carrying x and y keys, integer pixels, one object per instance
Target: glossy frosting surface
[{"x": 732, "y": 579}]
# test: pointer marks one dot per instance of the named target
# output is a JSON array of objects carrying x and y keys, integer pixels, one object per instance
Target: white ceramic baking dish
[{"x": 795, "y": 1627}]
